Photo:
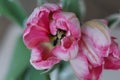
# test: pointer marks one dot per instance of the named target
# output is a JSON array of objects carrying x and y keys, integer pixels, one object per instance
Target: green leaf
[
  {"x": 13, "y": 10},
  {"x": 19, "y": 61},
  {"x": 35, "y": 75},
  {"x": 113, "y": 20},
  {"x": 76, "y": 6}
]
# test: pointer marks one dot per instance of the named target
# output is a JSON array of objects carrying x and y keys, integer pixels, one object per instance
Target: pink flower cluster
[{"x": 54, "y": 35}]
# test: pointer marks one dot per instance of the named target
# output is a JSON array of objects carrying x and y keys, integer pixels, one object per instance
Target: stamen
[
  {"x": 55, "y": 40},
  {"x": 61, "y": 34}
]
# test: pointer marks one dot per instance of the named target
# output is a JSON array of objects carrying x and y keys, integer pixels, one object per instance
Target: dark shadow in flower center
[{"x": 55, "y": 39}]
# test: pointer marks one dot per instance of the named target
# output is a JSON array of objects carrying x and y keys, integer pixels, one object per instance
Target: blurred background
[{"x": 94, "y": 9}]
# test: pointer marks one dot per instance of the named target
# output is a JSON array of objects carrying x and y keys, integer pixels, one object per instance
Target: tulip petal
[
  {"x": 41, "y": 58},
  {"x": 68, "y": 49},
  {"x": 33, "y": 36},
  {"x": 91, "y": 52},
  {"x": 41, "y": 15},
  {"x": 95, "y": 73},
  {"x": 113, "y": 60},
  {"x": 83, "y": 70},
  {"x": 112, "y": 63},
  {"x": 96, "y": 41},
  {"x": 104, "y": 21},
  {"x": 37, "y": 29},
  {"x": 66, "y": 21},
  {"x": 98, "y": 33},
  {"x": 114, "y": 48},
  {"x": 80, "y": 67}
]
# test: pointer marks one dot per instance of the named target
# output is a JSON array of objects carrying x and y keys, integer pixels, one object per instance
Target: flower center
[{"x": 55, "y": 39}]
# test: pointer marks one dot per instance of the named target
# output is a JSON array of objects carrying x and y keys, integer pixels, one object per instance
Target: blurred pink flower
[
  {"x": 93, "y": 47},
  {"x": 97, "y": 50},
  {"x": 52, "y": 35}
]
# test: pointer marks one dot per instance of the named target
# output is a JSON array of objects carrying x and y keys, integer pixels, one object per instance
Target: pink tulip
[
  {"x": 52, "y": 35},
  {"x": 95, "y": 41},
  {"x": 97, "y": 50},
  {"x": 37, "y": 36}
]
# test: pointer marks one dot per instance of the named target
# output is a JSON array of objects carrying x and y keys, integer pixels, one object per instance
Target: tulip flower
[
  {"x": 37, "y": 36},
  {"x": 94, "y": 45},
  {"x": 52, "y": 35},
  {"x": 98, "y": 50}
]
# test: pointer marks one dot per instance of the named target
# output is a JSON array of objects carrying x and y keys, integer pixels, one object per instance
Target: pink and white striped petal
[{"x": 41, "y": 58}]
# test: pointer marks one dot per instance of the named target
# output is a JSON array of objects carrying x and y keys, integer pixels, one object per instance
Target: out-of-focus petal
[
  {"x": 96, "y": 41},
  {"x": 80, "y": 67},
  {"x": 95, "y": 73},
  {"x": 68, "y": 49},
  {"x": 98, "y": 33},
  {"x": 33, "y": 36},
  {"x": 91, "y": 53},
  {"x": 104, "y": 21},
  {"x": 85, "y": 71},
  {"x": 113, "y": 60},
  {"x": 114, "y": 48},
  {"x": 41, "y": 15},
  {"x": 41, "y": 58},
  {"x": 112, "y": 63},
  {"x": 66, "y": 21}
]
